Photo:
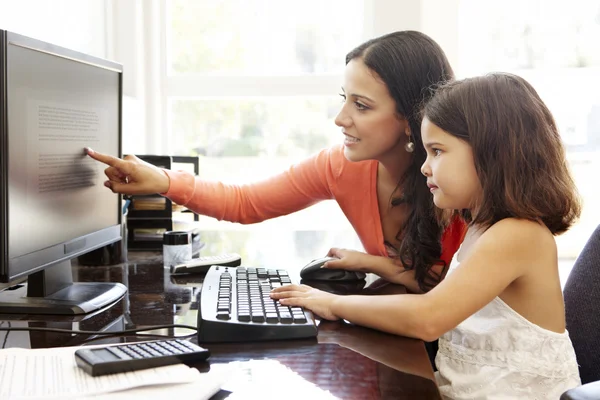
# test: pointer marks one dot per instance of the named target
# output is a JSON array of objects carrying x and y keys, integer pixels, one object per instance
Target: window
[
  {"x": 555, "y": 45},
  {"x": 261, "y": 37},
  {"x": 251, "y": 87},
  {"x": 252, "y": 127}
]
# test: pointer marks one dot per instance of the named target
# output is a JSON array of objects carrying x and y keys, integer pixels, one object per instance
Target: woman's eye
[{"x": 360, "y": 106}]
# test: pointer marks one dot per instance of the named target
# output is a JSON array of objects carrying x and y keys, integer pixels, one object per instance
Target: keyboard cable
[{"x": 132, "y": 332}]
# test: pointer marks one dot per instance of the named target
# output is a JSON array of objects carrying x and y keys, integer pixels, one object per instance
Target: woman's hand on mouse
[
  {"x": 389, "y": 269},
  {"x": 349, "y": 260},
  {"x": 131, "y": 175},
  {"x": 315, "y": 300}
]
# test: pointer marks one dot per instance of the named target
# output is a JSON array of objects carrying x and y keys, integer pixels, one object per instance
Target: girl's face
[
  {"x": 449, "y": 168},
  {"x": 372, "y": 130}
]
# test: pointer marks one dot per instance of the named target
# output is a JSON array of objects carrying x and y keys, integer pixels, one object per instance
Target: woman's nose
[{"x": 342, "y": 119}]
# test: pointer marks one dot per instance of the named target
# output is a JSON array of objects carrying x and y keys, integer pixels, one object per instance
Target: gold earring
[{"x": 410, "y": 146}]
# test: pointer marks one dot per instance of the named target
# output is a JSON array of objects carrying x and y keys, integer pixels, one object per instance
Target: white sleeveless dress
[{"x": 498, "y": 354}]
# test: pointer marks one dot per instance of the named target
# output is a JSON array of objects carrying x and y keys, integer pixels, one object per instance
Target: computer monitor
[{"x": 53, "y": 205}]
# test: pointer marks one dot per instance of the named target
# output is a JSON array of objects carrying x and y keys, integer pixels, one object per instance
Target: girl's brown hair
[{"x": 517, "y": 149}]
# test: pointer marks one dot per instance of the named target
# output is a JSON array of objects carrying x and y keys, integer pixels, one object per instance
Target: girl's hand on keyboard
[{"x": 312, "y": 299}]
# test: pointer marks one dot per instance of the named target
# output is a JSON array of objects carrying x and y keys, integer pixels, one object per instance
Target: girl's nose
[{"x": 425, "y": 170}]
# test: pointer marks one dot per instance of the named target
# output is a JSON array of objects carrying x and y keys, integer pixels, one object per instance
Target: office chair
[{"x": 582, "y": 308}]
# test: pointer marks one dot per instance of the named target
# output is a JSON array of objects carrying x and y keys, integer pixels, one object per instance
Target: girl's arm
[
  {"x": 300, "y": 186},
  {"x": 500, "y": 256}
]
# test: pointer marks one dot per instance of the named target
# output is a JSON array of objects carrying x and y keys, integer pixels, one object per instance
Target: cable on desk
[
  {"x": 6, "y": 336},
  {"x": 110, "y": 333},
  {"x": 143, "y": 335}
]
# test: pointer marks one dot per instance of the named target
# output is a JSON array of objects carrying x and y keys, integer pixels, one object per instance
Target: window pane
[
  {"x": 245, "y": 140},
  {"x": 556, "y": 47},
  {"x": 277, "y": 248},
  {"x": 524, "y": 34},
  {"x": 261, "y": 37},
  {"x": 291, "y": 127}
]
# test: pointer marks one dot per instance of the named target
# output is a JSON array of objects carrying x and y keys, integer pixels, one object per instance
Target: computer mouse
[{"x": 313, "y": 271}]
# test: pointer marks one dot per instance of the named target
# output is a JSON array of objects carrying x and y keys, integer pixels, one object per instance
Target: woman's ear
[
  {"x": 405, "y": 127},
  {"x": 410, "y": 145}
]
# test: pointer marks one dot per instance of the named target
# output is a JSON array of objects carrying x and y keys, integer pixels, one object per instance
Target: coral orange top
[{"x": 326, "y": 175}]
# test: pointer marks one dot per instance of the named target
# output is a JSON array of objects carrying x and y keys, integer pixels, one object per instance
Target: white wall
[
  {"x": 108, "y": 29},
  {"x": 76, "y": 24}
]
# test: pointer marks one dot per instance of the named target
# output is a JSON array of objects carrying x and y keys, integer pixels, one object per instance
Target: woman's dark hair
[
  {"x": 410, "y": 63},
  {"x": 517, "y": 149}
]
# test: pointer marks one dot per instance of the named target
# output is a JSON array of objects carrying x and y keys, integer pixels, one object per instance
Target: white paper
[
  {"x": 270, "y": 380},
  {"x": 53, "y": 374},
  {"x": 202, "y": 389}
]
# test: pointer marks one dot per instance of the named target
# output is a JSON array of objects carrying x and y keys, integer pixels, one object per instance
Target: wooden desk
[{"x": 350, "y": 362}]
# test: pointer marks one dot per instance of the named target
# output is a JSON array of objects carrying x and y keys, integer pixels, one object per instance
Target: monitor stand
[{"x": 52, "y": 291}]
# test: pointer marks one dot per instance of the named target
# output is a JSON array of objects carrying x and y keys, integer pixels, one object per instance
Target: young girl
[
  {"x": 493, "y": 152},
  {"x": 374, "y": 176}
]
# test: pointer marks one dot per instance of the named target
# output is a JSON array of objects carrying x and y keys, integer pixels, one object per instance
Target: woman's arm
[
  {"x": 389, "y": 269},
  {"x": 299, "y": 187},
  {"x": 302, "y": 185}
]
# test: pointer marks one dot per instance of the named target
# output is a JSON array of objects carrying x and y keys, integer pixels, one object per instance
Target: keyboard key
[
  {"x": 299, "y": 318},
  {"x": 286, "y": 318},
  {"x": 272, "y": 317},
  {"x": 245, "y": 317},
  {"x": 223, "y": 315},
  {"x": 256, "y": 317}
]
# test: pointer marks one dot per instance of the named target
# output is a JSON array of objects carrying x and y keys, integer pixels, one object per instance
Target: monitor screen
[{"x": 54, "y": 103}]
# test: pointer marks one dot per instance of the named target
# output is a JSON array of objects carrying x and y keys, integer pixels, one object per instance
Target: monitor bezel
[{"x": 13, "y": 269}]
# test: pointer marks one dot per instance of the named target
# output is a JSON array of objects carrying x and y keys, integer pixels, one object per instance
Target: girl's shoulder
[
  {"x": 517, "y": 227},
  {"x": 524, "y": 237}
]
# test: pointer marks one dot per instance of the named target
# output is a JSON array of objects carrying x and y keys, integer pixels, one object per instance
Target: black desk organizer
[{"x": 158, "y": 220}]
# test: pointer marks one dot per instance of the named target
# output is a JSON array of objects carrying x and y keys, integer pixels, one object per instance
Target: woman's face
[{"x": 372, "y": 130}]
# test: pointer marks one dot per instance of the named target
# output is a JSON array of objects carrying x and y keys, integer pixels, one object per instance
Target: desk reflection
[{"x": 345, "y": 361}]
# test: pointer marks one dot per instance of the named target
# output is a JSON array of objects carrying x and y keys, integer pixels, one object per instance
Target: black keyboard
[{"x": 235, "y": 306}]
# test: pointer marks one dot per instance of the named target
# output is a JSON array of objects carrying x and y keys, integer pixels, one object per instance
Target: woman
[{"x": 374, "y": 176}]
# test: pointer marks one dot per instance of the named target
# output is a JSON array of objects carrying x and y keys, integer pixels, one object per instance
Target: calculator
[{"x": 111, "y": 359}]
